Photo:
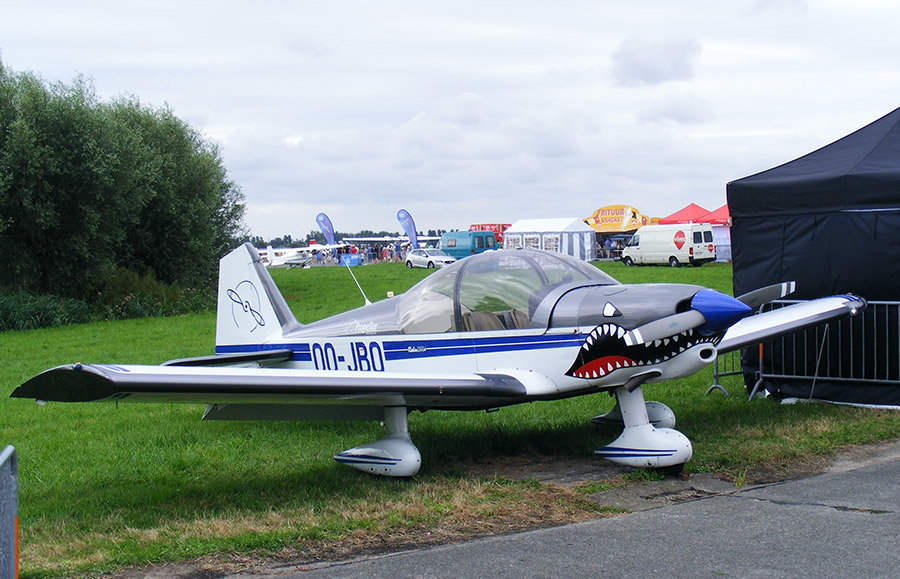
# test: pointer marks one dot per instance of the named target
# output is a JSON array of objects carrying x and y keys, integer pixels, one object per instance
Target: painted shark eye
[{"x": 610, "y": 311}]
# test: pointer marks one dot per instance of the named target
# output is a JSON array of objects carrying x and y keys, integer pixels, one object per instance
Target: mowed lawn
[{"x": 105, "y": 486}]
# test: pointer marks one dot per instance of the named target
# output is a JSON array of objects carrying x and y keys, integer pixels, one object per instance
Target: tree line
[{"x": 89, "y": 188}]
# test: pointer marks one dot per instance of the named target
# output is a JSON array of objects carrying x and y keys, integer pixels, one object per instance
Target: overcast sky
[{"x": 468, "y": 112}]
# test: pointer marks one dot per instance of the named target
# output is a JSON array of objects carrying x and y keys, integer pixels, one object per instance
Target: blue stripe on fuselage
[
  {"x": 302, "y": 352},
  {"x": 412, "y": 349}
]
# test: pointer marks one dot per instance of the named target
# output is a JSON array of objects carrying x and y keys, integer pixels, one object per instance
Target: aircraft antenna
[
  {"x": 347, "y": 263},
  {"x": 328, "y": 231}
]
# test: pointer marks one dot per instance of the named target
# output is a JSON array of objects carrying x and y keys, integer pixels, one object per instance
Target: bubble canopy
[{"x": 494, "y": 290}]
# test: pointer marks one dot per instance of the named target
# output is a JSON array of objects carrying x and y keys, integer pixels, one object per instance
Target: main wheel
[
  {"x": 673, "y": 261},
  {"x": 628, "y": 261}
]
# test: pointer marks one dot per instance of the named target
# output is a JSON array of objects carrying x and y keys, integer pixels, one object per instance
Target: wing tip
[{"x": 67, "y": 383}]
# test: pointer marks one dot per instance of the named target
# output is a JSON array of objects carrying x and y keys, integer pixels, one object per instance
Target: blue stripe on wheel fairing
[
  {"x": 365, "y": 459},
  {"x": 612, "y": 451}
]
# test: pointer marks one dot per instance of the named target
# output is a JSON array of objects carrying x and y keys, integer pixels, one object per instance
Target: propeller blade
[
  {"x": 664, "y": 327},
  {"x": 710, "y": 312},
  {"x": 766, "y": 294}
]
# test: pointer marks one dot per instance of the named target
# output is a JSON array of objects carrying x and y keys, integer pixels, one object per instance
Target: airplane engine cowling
[{"x": 688, "y": 362}]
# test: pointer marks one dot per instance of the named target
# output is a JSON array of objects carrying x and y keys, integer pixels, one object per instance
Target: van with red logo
[{"x": 671, "y": 244}]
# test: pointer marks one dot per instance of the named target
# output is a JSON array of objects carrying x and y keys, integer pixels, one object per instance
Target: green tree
[
  {"x": 86, "y": 187},
  {"x": 57, "y": 167},
  {"x": 190, "y": 212}
]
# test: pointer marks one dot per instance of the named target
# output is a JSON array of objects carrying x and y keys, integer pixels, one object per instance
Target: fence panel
[
  {"x": 9, "y": 506},
  {"x": 727, "y": 364},
  {"x": 862, "y": 352}
]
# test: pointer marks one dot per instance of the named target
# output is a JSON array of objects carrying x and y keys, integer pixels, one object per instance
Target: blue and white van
[{"x": 460, "y": 244}]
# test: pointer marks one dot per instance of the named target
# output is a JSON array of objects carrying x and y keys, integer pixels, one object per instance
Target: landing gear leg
[
  {"x": 393, "y": 455},
  {"x": 660, "y": 415}
]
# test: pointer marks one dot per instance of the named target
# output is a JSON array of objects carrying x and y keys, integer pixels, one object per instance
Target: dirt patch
[
  {"x": 865, "y": 455},
  {"x": 557, "y": 501},
  {"x": 534, "y": 507},
  {"x": 565, "y": 471}
]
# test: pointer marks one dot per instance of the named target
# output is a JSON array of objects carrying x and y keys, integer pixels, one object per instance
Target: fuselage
[
  {"x": 561, "y": 326},
  {"x": 573, "y": 345}
]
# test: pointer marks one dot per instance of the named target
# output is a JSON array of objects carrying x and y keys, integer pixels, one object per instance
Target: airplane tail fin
[{"x": 250, "y": 309}]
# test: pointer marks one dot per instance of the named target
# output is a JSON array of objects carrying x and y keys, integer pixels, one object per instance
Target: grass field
[{"x": 103, "y": 487}]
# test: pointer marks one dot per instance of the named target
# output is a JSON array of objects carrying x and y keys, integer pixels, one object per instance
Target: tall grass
[
  {"x": 124, "y": 295},
  {"x": 104, "y": 486},
  {"x": 23, "y": 311}
]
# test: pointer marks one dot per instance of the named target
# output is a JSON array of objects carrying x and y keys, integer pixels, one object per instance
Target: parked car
[{"x": 430, "y": 258}]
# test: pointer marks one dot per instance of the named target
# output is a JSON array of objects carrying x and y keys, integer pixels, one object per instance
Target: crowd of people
[
  {"x": 610, "y": 249},
  {"x": 368, "y": 253},
  {"x": 396, "y": 252}
]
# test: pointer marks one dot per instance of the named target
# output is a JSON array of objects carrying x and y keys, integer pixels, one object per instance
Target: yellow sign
[{"x": 618, "y": 219}]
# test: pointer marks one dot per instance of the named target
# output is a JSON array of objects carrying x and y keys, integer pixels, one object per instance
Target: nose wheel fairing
[{"x": 641, "y": 444}]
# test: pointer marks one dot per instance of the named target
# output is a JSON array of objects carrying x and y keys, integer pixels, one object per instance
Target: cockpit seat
[
  {"x": 482, "y": 321},
  {"x": 516, "y": 319}
]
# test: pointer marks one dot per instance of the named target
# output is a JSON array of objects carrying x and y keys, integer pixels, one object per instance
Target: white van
[{"x": 671, "y": 244}]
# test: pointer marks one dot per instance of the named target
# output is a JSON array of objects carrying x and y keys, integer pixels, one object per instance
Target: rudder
[{"x": 250, "y": 308}]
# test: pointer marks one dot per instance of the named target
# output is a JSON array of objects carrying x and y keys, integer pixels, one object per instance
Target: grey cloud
[
  {"x": 308, "y": 47},
  {"x": 681, "y": 109},
  {"x": 466, "y": 109},
  {"x": 789, "y": 6},
  {"x": 642, "y": 61}
]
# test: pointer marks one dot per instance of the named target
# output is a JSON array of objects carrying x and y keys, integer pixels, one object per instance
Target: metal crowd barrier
[
  {"x": 9, "y": 506},
  {"x": 728, "y": 364},
  {"x": 863, "y": 350}
]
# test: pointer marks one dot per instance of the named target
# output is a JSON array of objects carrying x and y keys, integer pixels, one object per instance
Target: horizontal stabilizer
[{"x": 271, "y": 356}]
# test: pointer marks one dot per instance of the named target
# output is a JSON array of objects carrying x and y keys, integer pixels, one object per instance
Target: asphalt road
[{"x": 842, "y": 523}]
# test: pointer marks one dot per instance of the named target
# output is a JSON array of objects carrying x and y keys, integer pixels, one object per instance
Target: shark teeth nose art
[{"x": 604, "y": 351}]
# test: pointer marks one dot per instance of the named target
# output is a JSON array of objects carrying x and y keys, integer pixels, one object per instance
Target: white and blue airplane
[
  {"x": 495, "y": 329},
  {"x": 285, "y": 256},
  {"x": 294, "y": 256}
]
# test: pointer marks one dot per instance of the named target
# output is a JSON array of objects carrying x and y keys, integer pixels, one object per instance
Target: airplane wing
[
  {"x": 242, "y": 385},
  {"x": 767, "y": 325}
]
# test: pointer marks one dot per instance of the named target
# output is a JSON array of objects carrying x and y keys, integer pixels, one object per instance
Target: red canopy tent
[
  {"x": 718, "y": 217},
  {"x": 689, "y": 214}
]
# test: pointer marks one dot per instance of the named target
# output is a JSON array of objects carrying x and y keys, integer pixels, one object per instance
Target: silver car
[{"x": 429, "y": 258}]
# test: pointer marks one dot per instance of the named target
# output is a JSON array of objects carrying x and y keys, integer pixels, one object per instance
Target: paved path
[{"x": 843, "y": 523}]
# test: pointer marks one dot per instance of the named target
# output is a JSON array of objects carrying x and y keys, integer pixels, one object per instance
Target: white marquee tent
[{"x": 571, "y": 236}]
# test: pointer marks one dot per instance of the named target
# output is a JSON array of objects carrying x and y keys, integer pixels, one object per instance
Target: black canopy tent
[{"x": 830, "y": 221}]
